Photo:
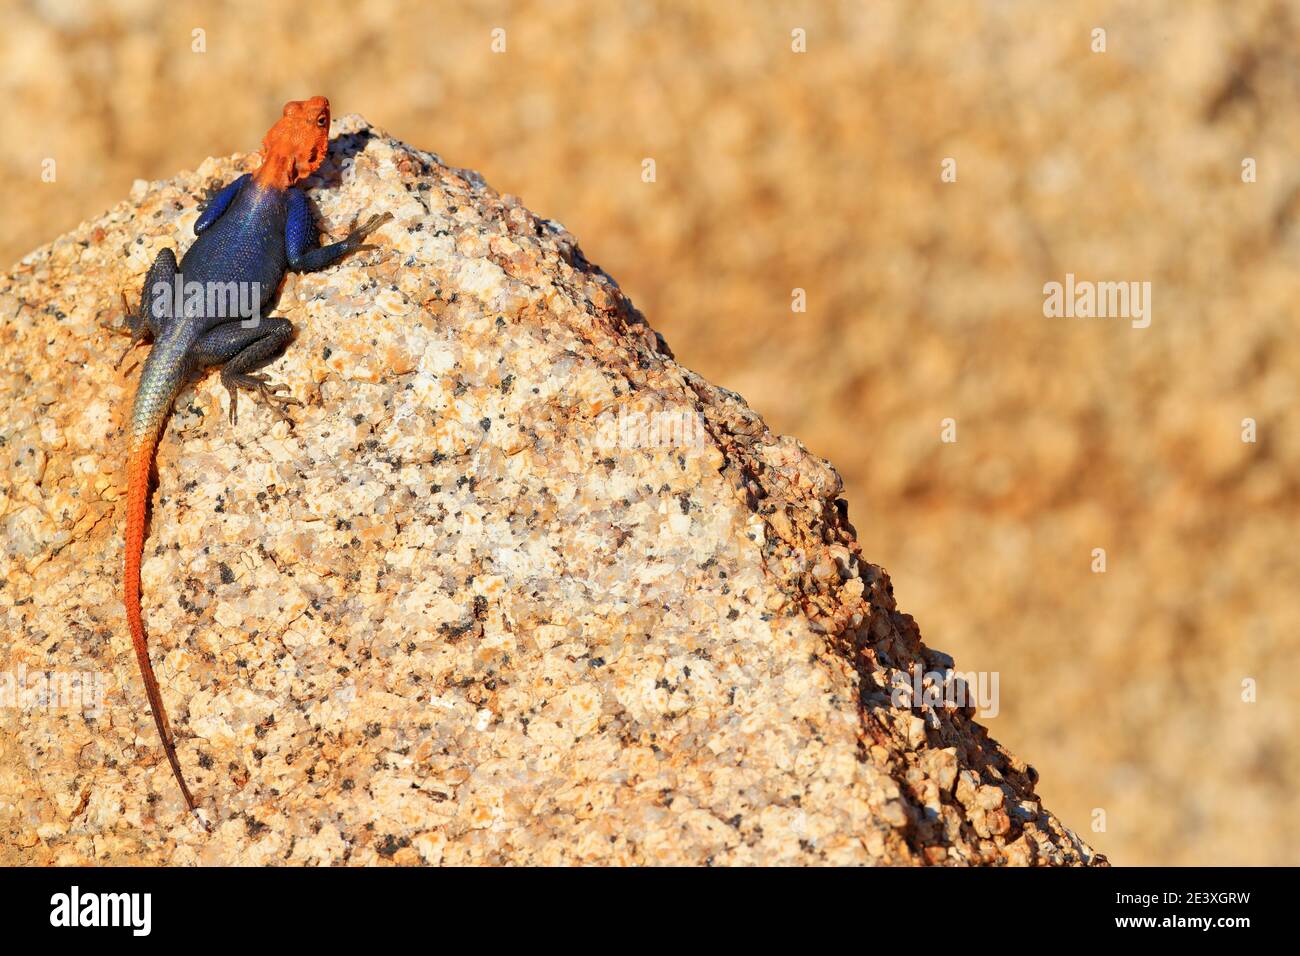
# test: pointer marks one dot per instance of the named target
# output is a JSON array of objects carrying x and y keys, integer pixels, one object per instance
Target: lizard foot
[
  {"x": 357, "y": 233},
  {"x": 139, "y": 334},
  {"x": 268, "y": 392},
  {"x": 135, "y": 343}
]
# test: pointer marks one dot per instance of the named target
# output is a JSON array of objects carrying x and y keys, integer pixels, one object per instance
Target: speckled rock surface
[{"x": 515, "y": 587}]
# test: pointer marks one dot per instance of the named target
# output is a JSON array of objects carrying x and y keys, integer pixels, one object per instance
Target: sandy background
[{"x": 777, "y": 170}]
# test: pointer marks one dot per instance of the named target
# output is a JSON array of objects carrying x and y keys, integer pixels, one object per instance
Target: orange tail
[{"x": 139, "y": 466}]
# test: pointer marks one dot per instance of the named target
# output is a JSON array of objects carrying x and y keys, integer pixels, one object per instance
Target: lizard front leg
[
  {"x": 241, "y": 350},
  {"x": 300, "y": 236}
]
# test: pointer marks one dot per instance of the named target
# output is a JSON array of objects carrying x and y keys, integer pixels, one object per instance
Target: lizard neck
[{"x": 276, "y": 172}]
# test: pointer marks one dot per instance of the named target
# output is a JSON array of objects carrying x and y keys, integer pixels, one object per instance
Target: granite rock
[{"x": 515, "y": 587}]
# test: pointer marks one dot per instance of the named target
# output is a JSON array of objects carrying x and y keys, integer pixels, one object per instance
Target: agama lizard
[{"x": 249, "y": 233}]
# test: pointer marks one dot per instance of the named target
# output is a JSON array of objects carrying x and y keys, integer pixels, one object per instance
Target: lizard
[{"x": 250, "y": 232}]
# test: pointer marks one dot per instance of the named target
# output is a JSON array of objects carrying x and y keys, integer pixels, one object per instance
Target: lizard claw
[
  {"x": 357, "y": 233},
  {"x": 135, "y": 343},
  {"x": 213, "y": 187},
  {"x": 267, "y": 390},
  {"x": 137, "y": 337}
]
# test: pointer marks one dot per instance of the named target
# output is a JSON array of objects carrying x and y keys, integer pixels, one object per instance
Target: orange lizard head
[{"x": 296, "y": 145}]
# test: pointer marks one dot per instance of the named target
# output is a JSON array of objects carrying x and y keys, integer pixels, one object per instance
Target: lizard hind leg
[
  {"x": 241, "y": 351},
  {"x": 155, "y": 312}
]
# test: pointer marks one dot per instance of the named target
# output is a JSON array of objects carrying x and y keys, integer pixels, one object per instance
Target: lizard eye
[{"x": 322, "y": 121}]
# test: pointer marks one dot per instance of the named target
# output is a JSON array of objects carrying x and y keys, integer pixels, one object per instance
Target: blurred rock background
[{"x": 778, "y": 170}]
